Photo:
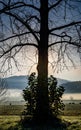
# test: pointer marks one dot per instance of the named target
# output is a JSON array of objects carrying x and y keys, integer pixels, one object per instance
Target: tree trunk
[{"x": 42, "y": 109}]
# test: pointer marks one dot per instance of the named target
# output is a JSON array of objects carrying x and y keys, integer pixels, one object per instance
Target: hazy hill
[
  {"x": 16, "y": 82},
  {"x": 72, "y": 87},
  {"x": 20, "y": 82},
  {"x": 62, "y": 81}
]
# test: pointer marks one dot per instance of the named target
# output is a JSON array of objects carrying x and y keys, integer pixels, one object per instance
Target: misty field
[{"x": 10, "y": 115}]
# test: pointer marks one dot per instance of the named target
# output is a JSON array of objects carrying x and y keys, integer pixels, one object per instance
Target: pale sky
[
  {"x": 28, "y": 65},
  {"x": 71, "y": 74}
]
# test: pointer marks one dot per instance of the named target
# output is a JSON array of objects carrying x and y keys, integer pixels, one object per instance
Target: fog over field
[
  {"x": 72, "y": 96},
  {"x": 16, "y": 95}
]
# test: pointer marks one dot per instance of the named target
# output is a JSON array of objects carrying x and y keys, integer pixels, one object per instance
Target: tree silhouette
[{"x": 48, "y": 25}]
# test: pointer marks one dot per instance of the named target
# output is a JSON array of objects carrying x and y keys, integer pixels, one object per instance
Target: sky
[
  {"x": 73, "y": 74},
  {"x": 27, "y": 65}
]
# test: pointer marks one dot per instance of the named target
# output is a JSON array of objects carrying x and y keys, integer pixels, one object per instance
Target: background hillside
[
  {"x": 16, "y": 82},
  {"x": 72, "y": 87},
  {"x": 20, "y": 82}
]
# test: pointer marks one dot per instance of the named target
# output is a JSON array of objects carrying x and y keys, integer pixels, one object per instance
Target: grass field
[
  {"x": 11, "y": 109},
  {"x": 12, "y": 123},
  {"x": 73, "y": 122},
  {"x": 10, "y": 117},
  {"x": 72, "y": 110},
  {"x": 9, "y": 122}
]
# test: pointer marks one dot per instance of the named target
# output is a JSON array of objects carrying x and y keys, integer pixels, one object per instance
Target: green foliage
[
  {"x": 29, "y": 94},
  {"x": 55, "y": 95},
  {"x": 54, "y": 92}
]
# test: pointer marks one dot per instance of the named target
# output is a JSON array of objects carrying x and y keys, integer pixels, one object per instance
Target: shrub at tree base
[{"x": 54, "y": 92}]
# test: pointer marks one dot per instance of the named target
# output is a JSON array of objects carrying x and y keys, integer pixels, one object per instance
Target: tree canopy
[{"x": 20, "y": 25}]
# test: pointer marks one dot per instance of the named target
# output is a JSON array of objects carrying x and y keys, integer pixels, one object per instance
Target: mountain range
[
  {"x": 16, "y": 82},
  {"x": 72, "y": 87},
  {"x": 20, "y": 82}
]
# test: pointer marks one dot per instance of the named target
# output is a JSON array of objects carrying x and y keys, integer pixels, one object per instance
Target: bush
[
  {"x": 55, "y": 95},
  {"x": 54, "y": 92},
  {"x": 29, "y": 94}
]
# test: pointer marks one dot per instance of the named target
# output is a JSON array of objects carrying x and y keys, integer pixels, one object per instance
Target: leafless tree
[{"x": 53, "y": 27}]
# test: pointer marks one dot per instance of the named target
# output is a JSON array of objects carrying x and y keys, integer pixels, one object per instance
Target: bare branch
[
  {"x": 64, "y": 26},
  {"x": 24, "y": 23},
  {"x": 69, "y": 42},
  {"x": 17, "y": 45},
  {"x": 14, "y": 36},
  {"x": 54, "y": 5},
  {"x": 17, "y": 5}
]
